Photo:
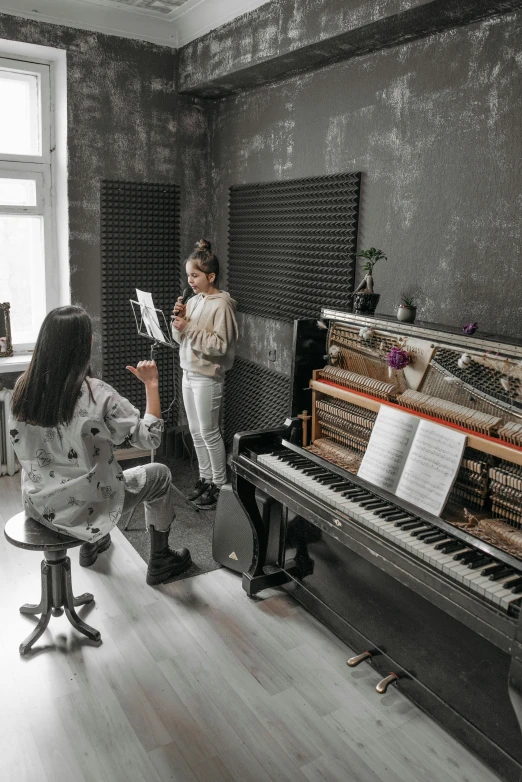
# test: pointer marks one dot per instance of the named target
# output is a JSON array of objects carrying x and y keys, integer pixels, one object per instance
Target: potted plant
[
  {"x": 407, "y": 311},
  {"x": 364, "y": 299}
]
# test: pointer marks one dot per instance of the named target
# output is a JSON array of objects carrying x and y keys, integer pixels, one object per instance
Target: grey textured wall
[
  {"x": 434, "y": 125},
  {"x": 125, "y": 121},
  {"x": 289, "y": 36}
]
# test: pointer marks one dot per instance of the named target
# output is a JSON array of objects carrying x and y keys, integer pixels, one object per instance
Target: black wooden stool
[{"x": 57, "y": 593}]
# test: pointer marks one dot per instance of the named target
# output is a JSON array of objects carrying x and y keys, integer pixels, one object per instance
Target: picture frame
[{"x": 6, "y": 343}]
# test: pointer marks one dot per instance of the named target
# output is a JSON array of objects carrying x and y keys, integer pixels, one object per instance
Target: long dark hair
[
  {"x": 47, "y": 393},
  {"x": 204, "y": 259}
]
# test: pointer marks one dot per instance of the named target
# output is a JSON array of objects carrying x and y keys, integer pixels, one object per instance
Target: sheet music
[
  {"x": 150, "y": 316},
  {"x": 388, "y": 448},
  {"x": 431, "y": 467}
]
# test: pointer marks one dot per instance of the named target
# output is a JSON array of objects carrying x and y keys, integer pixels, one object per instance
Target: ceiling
[{"x": 167, "y": 22}]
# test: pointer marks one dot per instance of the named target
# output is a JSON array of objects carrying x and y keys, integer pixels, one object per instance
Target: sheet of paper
[
  {"x": 431, "y": 467},
  {"x": 388, "y": 448},
  {"x": 150, "y": 316}
]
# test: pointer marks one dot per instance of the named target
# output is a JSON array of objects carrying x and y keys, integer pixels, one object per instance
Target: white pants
[{"x": 202, "y": 399}]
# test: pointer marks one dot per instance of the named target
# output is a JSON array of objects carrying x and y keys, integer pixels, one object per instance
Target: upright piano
[{"x": 432, "y": 602}]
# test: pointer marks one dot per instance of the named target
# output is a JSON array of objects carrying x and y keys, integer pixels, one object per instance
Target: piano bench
[{"x": 56, "y": 595}]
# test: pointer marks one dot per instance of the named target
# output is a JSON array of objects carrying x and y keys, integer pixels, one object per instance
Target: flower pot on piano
[
  {"x": 406, "y": 313},
  {"x": 365, "y": 303}
]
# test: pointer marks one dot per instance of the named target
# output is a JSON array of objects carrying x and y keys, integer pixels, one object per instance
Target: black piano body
[{"x": 456, "y": 654}]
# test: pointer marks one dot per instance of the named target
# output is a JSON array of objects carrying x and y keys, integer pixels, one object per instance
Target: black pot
[{"x": 365, "y": 303}]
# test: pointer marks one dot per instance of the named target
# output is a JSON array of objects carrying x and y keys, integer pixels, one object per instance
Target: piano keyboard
[{"x": 491, "y": 580}]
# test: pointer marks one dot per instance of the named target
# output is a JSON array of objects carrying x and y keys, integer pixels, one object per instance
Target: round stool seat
[{"x": 24, "y": 532}]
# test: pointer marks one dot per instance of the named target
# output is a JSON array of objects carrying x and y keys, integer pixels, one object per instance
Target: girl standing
[{"x": 206, "y": 331}]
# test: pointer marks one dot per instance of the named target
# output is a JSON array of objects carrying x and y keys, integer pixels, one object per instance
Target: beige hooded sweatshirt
[{"x": 208, "y": 341}]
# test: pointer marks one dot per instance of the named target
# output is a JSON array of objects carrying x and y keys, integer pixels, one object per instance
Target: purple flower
[
  {"x": 398, "y": 359},
  {"x": 470, "y": 328}
]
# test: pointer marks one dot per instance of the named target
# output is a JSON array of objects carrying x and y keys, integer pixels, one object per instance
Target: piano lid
[{"x": 443, "y": 335}]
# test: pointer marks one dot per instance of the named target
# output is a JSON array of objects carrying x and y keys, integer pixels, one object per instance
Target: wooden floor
[{"x": 194, "y": 682}]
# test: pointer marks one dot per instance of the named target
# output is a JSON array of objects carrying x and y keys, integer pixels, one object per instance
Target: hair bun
[{"x": 203, "y": 244}]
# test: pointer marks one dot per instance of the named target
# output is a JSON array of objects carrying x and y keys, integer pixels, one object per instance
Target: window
[{"x": 28, "y": 277}]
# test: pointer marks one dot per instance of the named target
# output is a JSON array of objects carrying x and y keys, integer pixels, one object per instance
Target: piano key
[
  {"x": 448, "y": 556},
  {"x": 499, "y": 574},
  {"x": 480, "y": 562}
]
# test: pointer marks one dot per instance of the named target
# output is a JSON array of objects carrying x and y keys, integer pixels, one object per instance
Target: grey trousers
[{"x": 150, "y": 484}]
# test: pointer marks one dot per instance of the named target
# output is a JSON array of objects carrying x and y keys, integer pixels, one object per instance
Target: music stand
[{"x": 151, "y": 323}]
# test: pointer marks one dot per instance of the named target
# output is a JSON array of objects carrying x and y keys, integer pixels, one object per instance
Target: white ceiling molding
[
  {"x": 198, "y": 17},
  {"x": 171, "y": 23}
]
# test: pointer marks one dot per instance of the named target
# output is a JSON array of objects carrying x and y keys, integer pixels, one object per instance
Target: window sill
[{"x": 15, "y": 363}]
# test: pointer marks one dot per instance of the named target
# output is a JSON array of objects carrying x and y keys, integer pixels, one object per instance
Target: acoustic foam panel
[
  {"x": 292, "y": 245},
  {"x": 139, "y": 249},
  {"x": 255, "y": 398}
]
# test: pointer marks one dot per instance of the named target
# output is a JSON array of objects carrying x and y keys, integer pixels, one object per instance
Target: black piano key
[
  {"x": 428, "y": 528},
  {"x": 428, "y": 533},
  {"x": 311, "y": 469},
  {"x": 374, "y": 505},
  {"x": 514, "y": 582},
  {"x": 379, "y": 506},
  {"x": 385, "y": 513},
  {"x": 352, "y": 490},
  {"x": 462, "y": 554},
  {"x": 517, "y": 590},
  {"x": 369, "y": 501},
  {"x": 471, "y": 556},
  {"x": 492, "y": 569},
  {"x": 327, "y": 479},
  {"x": 350, "y": 495},
  {"x": 500, "y": 574},
  {"x": 395, "y": 516},
  {"x": 407, "y": 524},
  {"x": 340, "y": 486},
  {"x": 448, "y": 548},
  {"x": 436, "y": 538},
  {"x": 480, "y": 562}
]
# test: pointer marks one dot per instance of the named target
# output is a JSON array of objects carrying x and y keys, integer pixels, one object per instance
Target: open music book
[{"x": 414, "y": 459}]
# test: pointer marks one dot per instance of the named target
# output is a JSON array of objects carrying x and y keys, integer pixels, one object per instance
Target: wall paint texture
[
  {"x": 434, "y": 125},
  {"x": 125, "y": 121}
]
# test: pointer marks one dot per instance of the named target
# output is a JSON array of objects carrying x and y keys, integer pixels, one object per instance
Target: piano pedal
[
  {"x": 358, "y": 659},
  {"x": 385, "y": 683}
]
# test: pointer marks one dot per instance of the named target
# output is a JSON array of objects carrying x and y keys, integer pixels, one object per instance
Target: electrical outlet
[{"x": 272, "y": 355}]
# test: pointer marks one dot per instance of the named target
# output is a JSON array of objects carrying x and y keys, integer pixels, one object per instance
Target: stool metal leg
[
  {"x": 44, "y": 608},
  {"x": 30, "y": 608},
  {"x": 70, "y": 602}
]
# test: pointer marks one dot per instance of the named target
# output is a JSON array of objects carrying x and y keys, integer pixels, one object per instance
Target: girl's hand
[
  {"x": 179, "y": 323},
  {"x": 146, "y": 371},
  {"x": 179, "y": 308}
]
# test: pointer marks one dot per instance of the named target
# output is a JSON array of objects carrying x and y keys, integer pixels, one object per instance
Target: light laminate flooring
[{"x": 195, "y": 682}]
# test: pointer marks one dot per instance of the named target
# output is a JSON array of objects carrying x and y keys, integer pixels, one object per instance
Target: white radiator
[{"x": 8, "y": 463}]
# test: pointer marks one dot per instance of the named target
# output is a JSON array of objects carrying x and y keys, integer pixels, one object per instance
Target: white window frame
[{"x": 40, "y": 168}]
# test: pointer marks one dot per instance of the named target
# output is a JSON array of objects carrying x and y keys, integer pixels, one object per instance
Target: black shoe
[
  {"x": 165, "y": 562},
  {"x": 200, "y": 487},
  {"x": 209, "y": 498},
  {"x": 89, "y": 551}
]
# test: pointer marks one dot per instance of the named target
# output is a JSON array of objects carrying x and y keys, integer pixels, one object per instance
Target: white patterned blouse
[{"x": 71, "y": 481}]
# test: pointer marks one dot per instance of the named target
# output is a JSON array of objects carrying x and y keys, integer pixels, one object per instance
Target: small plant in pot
[
  {"x": 364, "y": 299},
  {"x": 407, "y": 311}
]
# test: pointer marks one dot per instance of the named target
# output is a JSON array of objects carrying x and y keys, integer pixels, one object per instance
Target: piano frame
[{"x": 455, "y": 664}]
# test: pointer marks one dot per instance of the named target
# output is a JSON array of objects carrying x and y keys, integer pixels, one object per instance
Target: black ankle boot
[
  {"x": 165, "y": 562},
  {"x": 89, "y": 551},
  {"x": 200, "y": 487},
  {"x": 209, "y": 498}
]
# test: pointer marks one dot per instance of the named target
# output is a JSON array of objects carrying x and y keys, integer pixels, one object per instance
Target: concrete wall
[
  {"x": 434, "y": 126},
  {"x": 125, "y": 121}
]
